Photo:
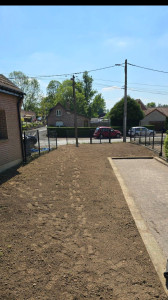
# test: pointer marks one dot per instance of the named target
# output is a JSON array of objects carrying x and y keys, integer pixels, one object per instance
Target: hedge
[
  {"x": 70, "y": 131},
  {"x": 82, "y": 131},
  {"x": 166, "y": 145}
]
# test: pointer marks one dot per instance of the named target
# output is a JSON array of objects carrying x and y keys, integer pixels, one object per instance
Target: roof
[
  {"x": 8, "y": 86},
  {"x": 67, "y": 110},
  {"x": 162, "y": 110},
  {"x": 143, "y": 107}
]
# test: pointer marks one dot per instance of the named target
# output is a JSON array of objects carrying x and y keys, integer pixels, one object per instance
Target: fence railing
[
  {"x": 32, "y": 145},
  {"x": 38, "y": 141},
  {"x": 154, "y": 142}
]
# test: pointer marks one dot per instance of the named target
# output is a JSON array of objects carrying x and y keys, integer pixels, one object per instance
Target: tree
[
  {"x": 31, "y": 87},
  {"x": 134, "y": 113},
  {"x": 151, "y": 104},
  {"x": 64, "y": 95},
  {"x": 87, "y": 86},
  {"x": 98, "y": 106},
  {"x": 52, "y": 88}
]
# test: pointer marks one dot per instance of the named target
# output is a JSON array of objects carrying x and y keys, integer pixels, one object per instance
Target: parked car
[
  {"x": 137, "y": 131},
  {"x": 104, "y": 132}
]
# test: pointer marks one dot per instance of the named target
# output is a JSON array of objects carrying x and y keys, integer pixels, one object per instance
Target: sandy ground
[{"x": 67, "y": 232}]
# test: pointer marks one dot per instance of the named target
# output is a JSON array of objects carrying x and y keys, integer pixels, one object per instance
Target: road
[{"x": 64, "y": 141}]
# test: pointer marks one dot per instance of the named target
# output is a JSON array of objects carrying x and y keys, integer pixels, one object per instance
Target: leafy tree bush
[
  {"x": 166, "y": 145},
  {"x": 134, "y": 113}
]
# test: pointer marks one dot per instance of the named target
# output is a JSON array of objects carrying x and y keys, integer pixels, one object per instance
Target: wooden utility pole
[
  {"x": 125, "y": 105},
  {"x": 75, "y": 114}
]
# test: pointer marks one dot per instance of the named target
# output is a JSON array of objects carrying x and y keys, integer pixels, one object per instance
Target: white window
[{"x": 58, "y": 112}]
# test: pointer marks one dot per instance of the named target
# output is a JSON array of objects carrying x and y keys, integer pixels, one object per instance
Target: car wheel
[{"x": 118, "y": 136}]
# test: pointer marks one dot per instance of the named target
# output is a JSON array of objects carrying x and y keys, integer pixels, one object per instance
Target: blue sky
[{"x": 56, "y": 40}]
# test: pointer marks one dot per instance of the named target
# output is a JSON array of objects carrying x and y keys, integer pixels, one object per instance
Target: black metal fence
[
  {"x": 154, "y": 142},
  {"x": 39, "y": 141},
  {"x": 35, "y": 143}
]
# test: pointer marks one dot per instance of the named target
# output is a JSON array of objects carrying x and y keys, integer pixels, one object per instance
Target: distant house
[
  {"x": 155, "y": 116},
  {"x": 29, "y": 116},
  {"x": 95, "y": 122},
  {"x": 11, "y": 151},
  {"x": 60, "y": 116}
]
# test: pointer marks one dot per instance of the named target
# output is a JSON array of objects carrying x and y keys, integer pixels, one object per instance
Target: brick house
[
  {"x": 28, "y": 115},
  {"x": 155, "y": 116},
  {"x": 59, "y": 116},
  {"x": 11, "y": 151}
]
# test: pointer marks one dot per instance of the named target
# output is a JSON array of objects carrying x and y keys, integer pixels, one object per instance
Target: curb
[{"x": 161, "y": 161}]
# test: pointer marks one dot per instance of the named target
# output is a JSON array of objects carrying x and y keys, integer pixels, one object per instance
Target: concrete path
[{"x": 145, "y": 186}]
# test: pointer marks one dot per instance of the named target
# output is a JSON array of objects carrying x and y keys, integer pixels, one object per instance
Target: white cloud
[
  {"x": 121, "y": 42},
  {"x": 110, "y": 88}
]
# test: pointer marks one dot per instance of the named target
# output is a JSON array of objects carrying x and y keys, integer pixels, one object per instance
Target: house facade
[
  {"x": 28, "y": 115},
  {"x": 11, "y": 150},
  {"x": 59, "y": 116},
  {"x": 155, "y": 116}
]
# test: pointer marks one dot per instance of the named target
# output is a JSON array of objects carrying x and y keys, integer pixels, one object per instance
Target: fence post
[
  {"x": 145, "y": 137},
  {"x": 56, "y": 138},
  {"x": 160, "y": 154},
  {"x": 48, "y": 139},
  {"x": 67, "y": 137},
  {"x": 38, "y": 139},
  {"x": 153, "y": 140},
  {"x": 25, "y": 153},
  {"x": 90, "y": 136},
  {"x": 109, "y": 136}
]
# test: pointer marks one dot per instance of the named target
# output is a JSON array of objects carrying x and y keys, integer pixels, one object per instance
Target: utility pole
[
  {"x": 125, "y": 105},
  {"x": 75, "y": 115}
]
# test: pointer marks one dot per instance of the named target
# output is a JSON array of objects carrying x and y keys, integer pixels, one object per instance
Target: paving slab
[{"x": 145, "y": 186}]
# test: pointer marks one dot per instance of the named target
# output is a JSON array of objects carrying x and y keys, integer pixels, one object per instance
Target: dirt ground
[{"x": 67, "y": 233}]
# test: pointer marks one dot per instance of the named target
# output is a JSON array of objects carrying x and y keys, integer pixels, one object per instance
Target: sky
[{"x": 53, "y": 42}]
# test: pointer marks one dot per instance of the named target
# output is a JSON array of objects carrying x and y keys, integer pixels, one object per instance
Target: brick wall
[
  {"x": 67, "y": 117},
  {"x": 10, "y": 147}
]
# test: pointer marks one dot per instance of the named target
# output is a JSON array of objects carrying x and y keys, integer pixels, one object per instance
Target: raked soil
[{"x": 67, "y": 232}]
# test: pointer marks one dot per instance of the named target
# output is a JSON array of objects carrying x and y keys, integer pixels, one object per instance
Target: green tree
[
  {"x": 98, "y": 106},
  {"x": 87, "y": 87},
  {"x": 151, "y": 104},
  {"x": 134, "y": 113},
  {"x": 30, "y": 87},
  {"x": 52, "y": 88},
  {"x": 64, "y": 95}
]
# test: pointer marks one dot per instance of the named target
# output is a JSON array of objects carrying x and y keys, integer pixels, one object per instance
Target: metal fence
[
  {"x": 153, "y": 142},
  {"x": 37, "y": 142},
  {"x": 35, "y": 145}
]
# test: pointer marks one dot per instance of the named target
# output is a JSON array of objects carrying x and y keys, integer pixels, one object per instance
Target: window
[
  {"x": 58, "y": 112},
  {"x": 3, "y": 125}
]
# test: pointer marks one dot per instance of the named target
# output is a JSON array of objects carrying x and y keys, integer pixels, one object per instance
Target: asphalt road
[{"x": 64, "y": 141}]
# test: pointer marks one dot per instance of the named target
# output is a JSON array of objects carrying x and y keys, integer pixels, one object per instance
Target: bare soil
[{"x": 67, "y": 232}]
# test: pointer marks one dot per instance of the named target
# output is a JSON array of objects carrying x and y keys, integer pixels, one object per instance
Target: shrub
[
  {"x": 69, "y": 131},
  {"x": 166, "y": 145}
]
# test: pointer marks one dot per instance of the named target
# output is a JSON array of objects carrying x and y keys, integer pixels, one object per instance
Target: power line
[
  {"x": 73, "y": 73},
  {"x": 150, "y": 69}
]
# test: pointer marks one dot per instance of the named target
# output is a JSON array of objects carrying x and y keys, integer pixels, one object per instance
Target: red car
[{"x": 103, "y": 132}]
